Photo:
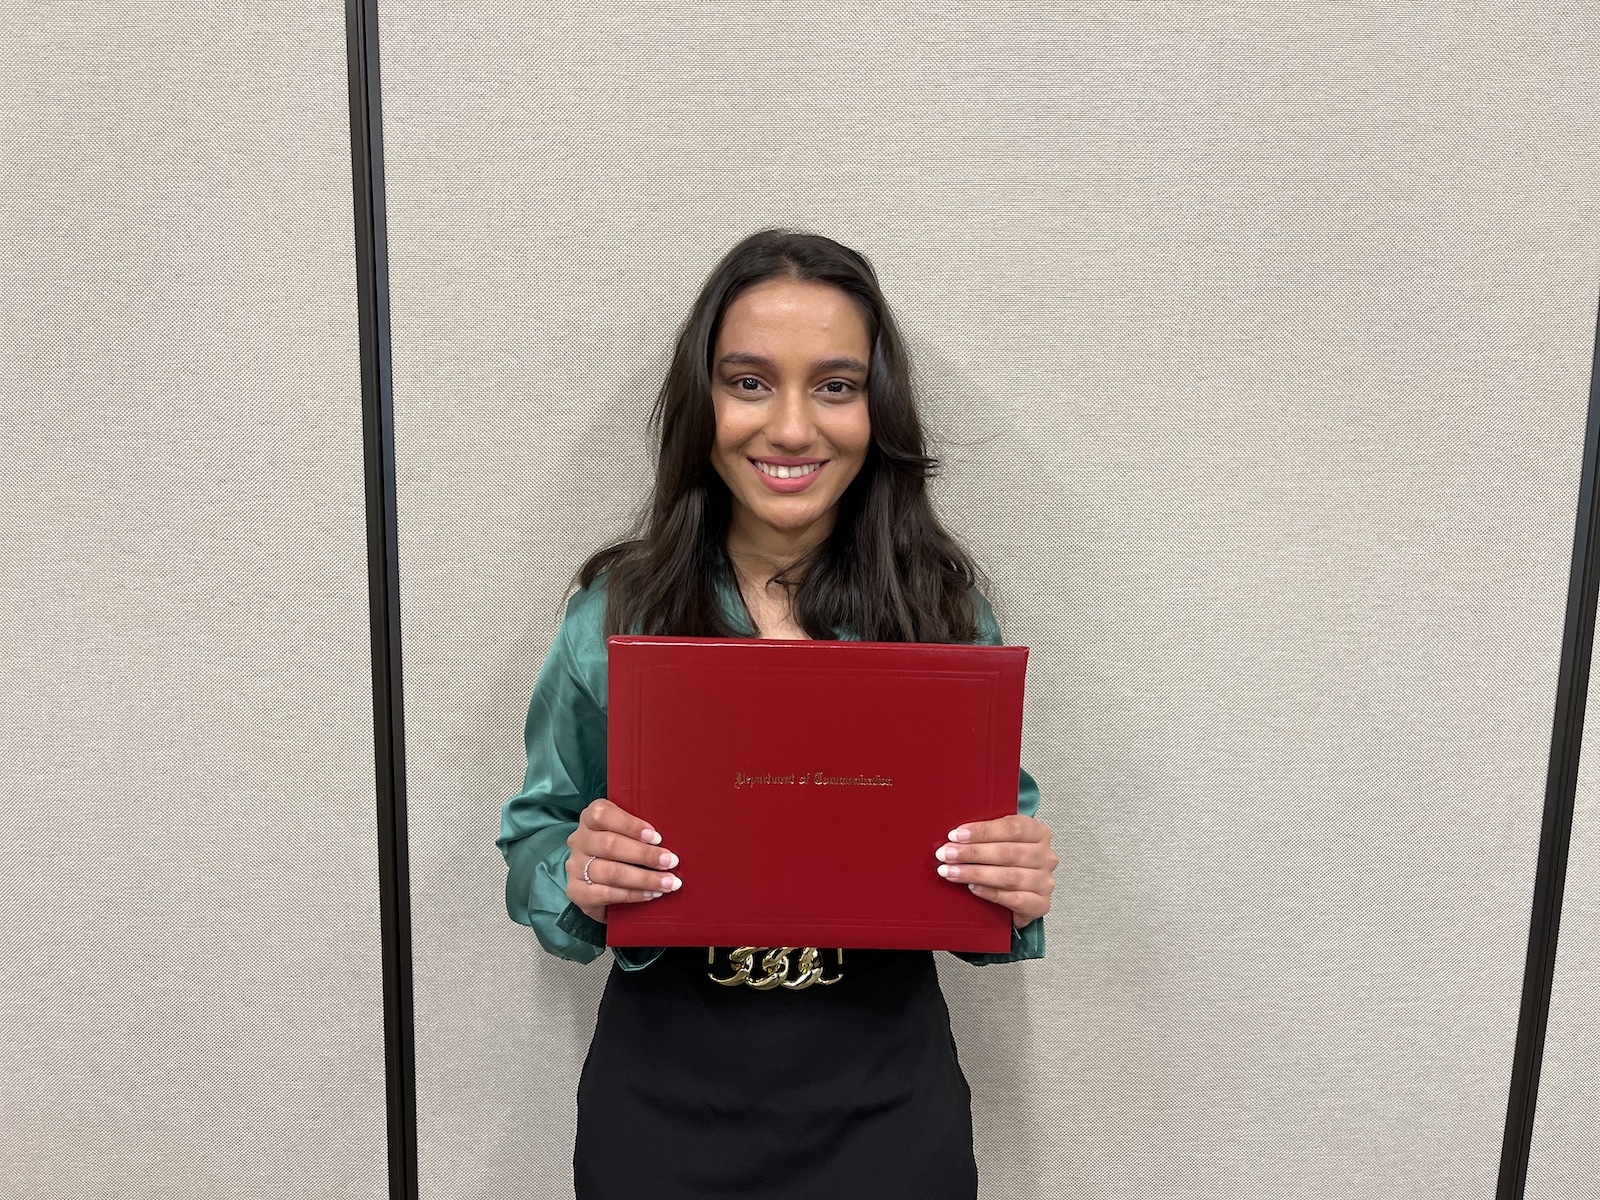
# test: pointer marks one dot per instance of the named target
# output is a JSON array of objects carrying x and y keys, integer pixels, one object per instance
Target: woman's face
[{"x": 789, "y": 387}]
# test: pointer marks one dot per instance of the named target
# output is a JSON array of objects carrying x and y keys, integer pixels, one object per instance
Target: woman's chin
[{"x": 793, "y": 518}]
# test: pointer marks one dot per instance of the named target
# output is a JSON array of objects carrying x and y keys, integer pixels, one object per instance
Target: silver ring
[{"x": 586, "y": 867}]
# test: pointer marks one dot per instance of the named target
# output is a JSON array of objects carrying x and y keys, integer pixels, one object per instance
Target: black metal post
[
  {"x": 1555, "y": 835},
  {"x": 383, "y": 575}
]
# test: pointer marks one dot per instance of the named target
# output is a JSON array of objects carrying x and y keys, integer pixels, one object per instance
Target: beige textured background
[
  {"x": 190, "y": 1002},
  {"x": 1257, "y": 338}
]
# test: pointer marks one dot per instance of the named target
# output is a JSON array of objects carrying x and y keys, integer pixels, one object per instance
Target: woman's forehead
[{"x": 785, "y": 316}]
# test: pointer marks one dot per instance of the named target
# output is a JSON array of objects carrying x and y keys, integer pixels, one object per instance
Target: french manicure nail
[
  {"x": 950, "y": 872},
  {"x": 651, "y": 836},
  {"x": 962, "y": 834},
  {"x": 669, "y": 860},
  {"x": 670, "y": 883},
  {"x": 945, "y": 853},
  {"x": 652, "y": 895}
]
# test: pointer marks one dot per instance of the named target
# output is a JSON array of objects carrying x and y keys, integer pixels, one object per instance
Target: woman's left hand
[{"x": 1008, "y": 861}]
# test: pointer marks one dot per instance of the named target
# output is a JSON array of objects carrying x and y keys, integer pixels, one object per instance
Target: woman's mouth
[{"x": 784, "y": 478}]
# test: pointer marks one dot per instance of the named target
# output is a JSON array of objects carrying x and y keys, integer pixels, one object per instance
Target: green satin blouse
[{"x": 566, "y": 743}]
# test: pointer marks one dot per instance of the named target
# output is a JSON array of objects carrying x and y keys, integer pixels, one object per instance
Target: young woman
[{"x": 790, "y": 502}]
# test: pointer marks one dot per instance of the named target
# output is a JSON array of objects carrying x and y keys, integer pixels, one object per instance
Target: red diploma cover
[{"x": 805, "y": 786}]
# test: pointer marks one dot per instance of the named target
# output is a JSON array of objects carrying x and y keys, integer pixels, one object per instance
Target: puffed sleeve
[
  {"x": 565, "y": 736},
  {"x": 1027, "y": 942}
]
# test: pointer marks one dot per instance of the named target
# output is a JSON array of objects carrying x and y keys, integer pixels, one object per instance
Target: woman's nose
[{"x": 791, "y": 426}]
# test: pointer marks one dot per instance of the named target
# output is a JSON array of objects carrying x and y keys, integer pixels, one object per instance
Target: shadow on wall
[
  {"x": 1045, "y": 1055},
  {"x": 579, "y": 496}
]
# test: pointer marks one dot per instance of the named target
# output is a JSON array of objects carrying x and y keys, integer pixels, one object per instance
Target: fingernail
[
  {"x": 652, "y": 895},
  {"x": 945, "y": 854},
  {"x": 961, "y": 835},
  {"x": 972, "y": 887},
  {"x": 651, "y": 836},
  {"x": 950, "y": 872},
  {"x": 669, "y": 860},
  {"x": 670, "y": 883}
]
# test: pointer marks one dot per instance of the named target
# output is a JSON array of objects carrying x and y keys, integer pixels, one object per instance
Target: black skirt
[{"x": 692, "y": 1089}]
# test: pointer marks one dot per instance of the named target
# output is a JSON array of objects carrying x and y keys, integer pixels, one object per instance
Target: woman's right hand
[{"x": 624, "y": 857}]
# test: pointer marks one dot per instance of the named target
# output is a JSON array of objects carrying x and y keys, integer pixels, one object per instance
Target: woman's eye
[
  {"x": 747, "y": 383},
  {"x": 838, "y": 387}
]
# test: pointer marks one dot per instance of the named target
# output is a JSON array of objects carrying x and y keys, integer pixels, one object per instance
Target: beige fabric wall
[
  {"x": 190, "y": 1001},
  {"x": 1256, "y": 338}
]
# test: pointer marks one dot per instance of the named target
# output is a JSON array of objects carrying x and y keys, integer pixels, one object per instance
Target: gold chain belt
[{"x": 775, "y": 968}]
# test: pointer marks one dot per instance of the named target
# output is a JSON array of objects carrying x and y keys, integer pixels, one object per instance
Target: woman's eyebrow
[
  {"x": 845, "y": 363},
  {"x": 743, "y": 358}
]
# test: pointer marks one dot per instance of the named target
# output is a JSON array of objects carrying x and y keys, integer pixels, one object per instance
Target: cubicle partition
[
  {"x": 190, "y": 995},
  {"x": 1255, "y": 344}
]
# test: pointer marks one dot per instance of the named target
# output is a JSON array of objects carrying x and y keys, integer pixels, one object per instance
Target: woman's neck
[{"x": 759, "y": 552}]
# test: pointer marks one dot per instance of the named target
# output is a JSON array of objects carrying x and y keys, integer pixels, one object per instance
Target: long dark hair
[{"x": 888, "y": 571}]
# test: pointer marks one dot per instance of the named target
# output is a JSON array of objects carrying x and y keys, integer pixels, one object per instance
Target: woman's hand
[
  {"x": 1008, "y": 861},
  {"x": 624, "y": 857}
]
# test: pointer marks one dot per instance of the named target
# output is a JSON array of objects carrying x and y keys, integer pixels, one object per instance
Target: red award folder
[{"x": 805, "y": 786}]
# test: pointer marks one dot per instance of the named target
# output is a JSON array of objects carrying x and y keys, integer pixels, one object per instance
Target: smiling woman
[
  {"x": 793, "y": 429},
  {"x": 794, "y": 346},
  {"x": 790, "y": 502}
]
